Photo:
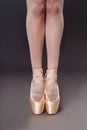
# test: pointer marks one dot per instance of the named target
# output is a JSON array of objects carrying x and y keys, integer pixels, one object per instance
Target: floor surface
[{"x": 15, "y": 111}]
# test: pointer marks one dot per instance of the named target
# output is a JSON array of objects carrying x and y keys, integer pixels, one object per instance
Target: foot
[
  {"x": 37, "y": 88},
  {"x": 52, "y": 97},
  {"x": 37, "y": 92},
  {"x": 51, "y": 86}
]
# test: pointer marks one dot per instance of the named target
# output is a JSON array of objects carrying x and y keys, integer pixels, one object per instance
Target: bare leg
[
  {"x": 35, "y": 33},
  {"x": 35, "y": 30},
  {"x": 54, "y": 30}
]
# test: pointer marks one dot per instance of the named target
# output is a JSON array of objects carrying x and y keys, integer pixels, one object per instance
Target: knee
[
  {"x": 54, "y": 6},
  {"x": 37, "y": 7}
]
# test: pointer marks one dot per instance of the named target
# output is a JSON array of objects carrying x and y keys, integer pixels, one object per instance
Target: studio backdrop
[{"x": 14, "y": 48}]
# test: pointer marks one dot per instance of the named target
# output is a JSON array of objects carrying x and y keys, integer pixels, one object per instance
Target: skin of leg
[
  {"x": 54, "y": 31},
  {"x": 35, "y": 30}
]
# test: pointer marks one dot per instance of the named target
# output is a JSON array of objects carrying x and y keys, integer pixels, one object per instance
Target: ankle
[
  {"x": 51, "y": 73},
  {"x": 37, "y": 71},
  {"x": 37, "y": 74}
]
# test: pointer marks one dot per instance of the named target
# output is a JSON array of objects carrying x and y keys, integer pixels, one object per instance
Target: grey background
[
  {"x": 16, "y": 75},
  {"x": 14, "y": 49}
]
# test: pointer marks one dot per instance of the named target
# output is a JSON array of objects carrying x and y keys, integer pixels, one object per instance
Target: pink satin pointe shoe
[
  {"x": 37, "y": 92},
  {"x": 52, "y": 96}
]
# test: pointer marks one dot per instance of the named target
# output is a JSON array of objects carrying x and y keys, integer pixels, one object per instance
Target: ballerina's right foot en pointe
[
  {"x": 44, "y": 92},
  {"x": 37, "y": 92}
]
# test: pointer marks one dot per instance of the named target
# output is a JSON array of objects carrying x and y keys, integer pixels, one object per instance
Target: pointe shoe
[
  {"x": 37, "y": 102},
  {"x": 51, "y": 103}
]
